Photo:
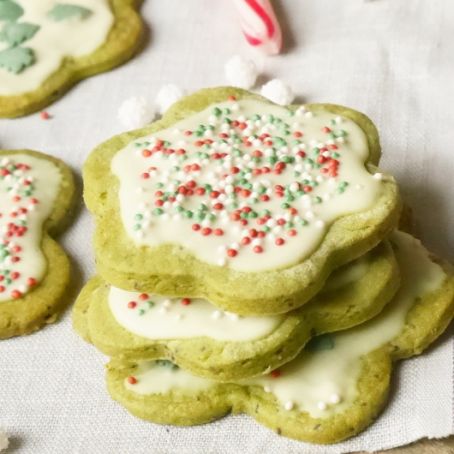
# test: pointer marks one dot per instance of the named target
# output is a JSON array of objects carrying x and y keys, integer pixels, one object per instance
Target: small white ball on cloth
[
  {"x": 4, "y": 443},
  {"x": 241, "y": 72},
  {"x": 277, "y": 91},
  {"x": 168, "y": 95},
  {"x": 136, "y": 112}
]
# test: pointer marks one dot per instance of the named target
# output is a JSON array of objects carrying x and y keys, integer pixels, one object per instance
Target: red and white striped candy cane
[{"x": 259, "y": 24}]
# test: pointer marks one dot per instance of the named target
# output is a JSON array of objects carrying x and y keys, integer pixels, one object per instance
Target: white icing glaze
[
  {"x": 168, "y": 318},
  {"x": 317, "y": 209},
  {"x": 166, "y": 379},
  {"x": 56, "y": 40},
  {"x": 45, "y": 177},
  {"x": 325, "y": 382}
]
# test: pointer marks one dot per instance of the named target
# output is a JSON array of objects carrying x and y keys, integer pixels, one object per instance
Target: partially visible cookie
[
  {"x": 333, "y": 390},
  {"x": 36, "y": 196},
  {"x": 92, "y": 36},
  {"x": 223, "y": 346}
]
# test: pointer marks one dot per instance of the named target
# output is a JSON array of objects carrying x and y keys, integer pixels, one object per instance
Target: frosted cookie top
[
  {"x": 245, "y": 184},
  {"x": 28, "y": 190},
  {"x": 36, "y": 36}
]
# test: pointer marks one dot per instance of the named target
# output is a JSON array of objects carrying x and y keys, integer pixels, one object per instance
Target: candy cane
[{"x": 259, "y": 24}]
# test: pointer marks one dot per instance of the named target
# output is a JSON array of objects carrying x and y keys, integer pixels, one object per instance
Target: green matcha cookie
[
  {"x": 208, "y": 342},
  {"x": 332, "y": 390},
  {"x": 92, "y": 36},
  {"x": 36, "y": 194},
  {"x": 246, "y": 203}
]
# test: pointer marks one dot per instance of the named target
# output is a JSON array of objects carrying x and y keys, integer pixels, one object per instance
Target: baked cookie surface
[
  {"x": 244, "y": 202},
  {"x": 92, "y": 36},
  {"x": 37, "y": 193},
  {"x": 209, "y": 342}
]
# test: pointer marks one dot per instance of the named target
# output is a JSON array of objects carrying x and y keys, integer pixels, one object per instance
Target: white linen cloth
[{"x": 392, "y": 59}]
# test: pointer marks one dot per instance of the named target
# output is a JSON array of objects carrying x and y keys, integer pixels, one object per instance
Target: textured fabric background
[{"x": 392, "y": 59}]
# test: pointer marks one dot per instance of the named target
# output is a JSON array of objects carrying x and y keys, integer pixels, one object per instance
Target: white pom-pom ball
[
  {"x": 241, "y": 72},
  {"x": 4, "y": 443},
  {"x": 168, "y": 95},
  {"x": 277, "y": 91},
  {"x": 136, "y": 112}
]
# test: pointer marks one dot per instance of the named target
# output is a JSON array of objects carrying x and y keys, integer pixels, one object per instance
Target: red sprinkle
[
  {"x": 185, "y": 301},
  {"x": 132, "y": 380},
  {"x": 245, "y": 240},
  {"x": 232, "y": 252},
  {"x": 132, "y": 305},
  {"x": 276, "y": 373}
]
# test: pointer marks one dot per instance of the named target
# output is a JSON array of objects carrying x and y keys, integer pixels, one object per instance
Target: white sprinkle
[
  {"x": 321, "y": 405},
  {"x": 216, "y": 315},
  {"x": 267, "y": 389},
  {"x": 319, "y": 224},
  {"x": 289, "y": 405},
  {"x": 358, "y": 187},
  {"x": 294, "y": 186},
  {"x": 335, "y": 398},
  {"x": 378, "y": 176},
  {"x": 167, "y": 303},
  {"x": 222, "y": 262},
  {"x": 232, "y": 316},
  {"x": 308, "y": 114}
]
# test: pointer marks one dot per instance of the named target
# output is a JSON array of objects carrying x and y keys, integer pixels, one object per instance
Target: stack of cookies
[{"x": 249, "y": 261}]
